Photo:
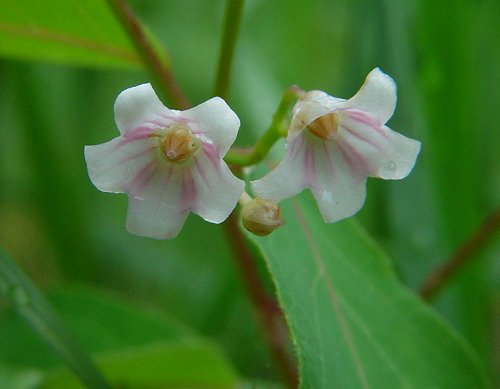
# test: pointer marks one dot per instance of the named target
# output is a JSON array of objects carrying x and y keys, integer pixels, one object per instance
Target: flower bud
[{"x": 261, "y": 217}]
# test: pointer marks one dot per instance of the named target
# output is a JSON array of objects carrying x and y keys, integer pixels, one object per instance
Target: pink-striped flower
[
  {"x": 168, "y": 162},
  {"x": 334, "y": 144}
]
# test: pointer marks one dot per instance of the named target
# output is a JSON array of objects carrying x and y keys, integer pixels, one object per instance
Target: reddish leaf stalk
[{"x": 464, "y": 254}]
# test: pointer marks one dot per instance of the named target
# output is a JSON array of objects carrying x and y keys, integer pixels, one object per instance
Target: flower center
[
  {"x": 324, "y": 127},
  {"x": 178, "y": 143}
]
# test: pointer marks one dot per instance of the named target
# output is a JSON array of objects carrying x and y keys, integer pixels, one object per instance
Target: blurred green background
[{"x": 445, "y": 58}]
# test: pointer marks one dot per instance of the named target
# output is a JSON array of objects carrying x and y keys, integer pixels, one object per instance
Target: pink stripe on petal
[
  {"x": 137, "y": 133},
  {"x": 366, "y": 119},
  {"x": 158, "y": 123},
  {"x": 328, "y": 158},
  {"x": 212, "y": 154},
  {"x": 362, "y": 117},
  {"x": 142, "y": 179},
  {"x": 189, "y": 192},
  {"x": 166, "y": 180},
  {"x": 353, "y": 158},
  {"x": 140, "y": 132},
  {"x": 201, "y": 171},
  {"x": 361, "y": 137},
  {"x": 309, "y": 167},
  {"x": 165, "y": 120}
]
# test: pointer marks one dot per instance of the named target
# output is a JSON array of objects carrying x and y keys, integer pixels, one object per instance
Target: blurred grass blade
[
  {"x": 82, "y": 32},
  {"x": 134, "y": 346},
  {"x": 354, "y": 325},
  {"x": 33, "y": 307},
  {"x": 454, "y": 45}
]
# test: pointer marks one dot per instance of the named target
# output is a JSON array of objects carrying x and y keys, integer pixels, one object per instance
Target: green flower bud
[{"x": 261, "y": 217}]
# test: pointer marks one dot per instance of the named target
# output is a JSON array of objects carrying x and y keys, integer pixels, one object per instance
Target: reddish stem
[
  {"x": 269, "y": 314},
  {"x": 152, "y": 58},
  {"x": 435, "y": 281}
]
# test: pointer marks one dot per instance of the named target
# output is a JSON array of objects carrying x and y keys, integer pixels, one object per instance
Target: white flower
[
  {"x": 334, "y": 144},
  {"x": 168, "y": 162}
]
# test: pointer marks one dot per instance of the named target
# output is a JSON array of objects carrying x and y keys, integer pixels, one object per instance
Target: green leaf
[
  {"x": 133, "y": 346},
  {"x": 354, "y": 325},
  {"x": 181, "y": 364},
  {"x": 101, "y": 321},
  {"x": 82, "y": 32},
  {"x": 105, "y": 322},
  {"x": 35, "y": 310}
]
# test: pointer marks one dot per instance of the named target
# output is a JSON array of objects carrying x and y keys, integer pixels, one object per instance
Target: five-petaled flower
[
  {"x": 168, "y": 162},
  {"x": 334, "y": 144}
]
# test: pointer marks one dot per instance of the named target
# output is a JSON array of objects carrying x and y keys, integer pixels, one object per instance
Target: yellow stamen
[
  {"x": 179, "y": 143},
  {"x": 325, "y": 126}
]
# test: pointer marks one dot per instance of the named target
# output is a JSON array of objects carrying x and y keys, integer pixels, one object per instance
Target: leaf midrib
[
  {"x": 334, "y": 303},
  {"x": 390, "y": 278},
  {"x": 48, "y": 35}
]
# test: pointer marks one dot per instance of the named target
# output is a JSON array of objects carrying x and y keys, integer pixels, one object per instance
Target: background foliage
[{"x": 71, "y": 239}]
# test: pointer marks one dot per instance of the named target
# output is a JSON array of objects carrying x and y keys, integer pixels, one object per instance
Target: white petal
[
  {"x": 306, "y": 99},
  {"x": 288, "y": 178},
  {"x": 113, "y": 164},
  {"x": 310, "y": 107},
  {"x": 140, "y": 106},
  {"x": 152, "y": 218},
  {"x": 339, "y": 191},
  {"x": 158, "y": 202},
  {"x": 377, "y": 150},
  {"x": 377, "y": 96},
  {"x": 217, "y": 189},
  {"x": 400, "y": 161},
  {"x": 216, "y": 121}
]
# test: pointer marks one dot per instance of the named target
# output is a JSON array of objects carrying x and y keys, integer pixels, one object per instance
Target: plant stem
[
  {"x": 155, "y": 59},
  {"x": 34, "y": 308},
  {"x": 232, "y": 21},
  {"x": 268, "y": 312},
  {"x": 435, "y": 281},
  {"x": 276, "y": 130}
]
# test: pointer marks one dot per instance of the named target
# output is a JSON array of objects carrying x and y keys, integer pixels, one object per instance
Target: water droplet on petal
[
  {"x": 388, "y": 168},
  {"x": 326, "y": 196}
]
